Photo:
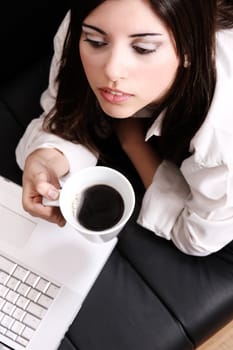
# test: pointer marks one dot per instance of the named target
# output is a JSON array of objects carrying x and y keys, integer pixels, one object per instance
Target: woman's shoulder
[
  {"x": 214, "y": 140},
  {"x": 62, "y": 30},
  {"x": 225, "y": 35},
  {"x": 60, "y": 36},
  {"x": 220, "y": 114},
  {"x": 224, "y": 53}
]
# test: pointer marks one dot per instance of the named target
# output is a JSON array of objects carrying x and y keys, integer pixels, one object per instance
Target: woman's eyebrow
[
  {"x": 144, "y": 34},
  {"x": 130, "y": 36},
  {"x": 94, "y": 28}
]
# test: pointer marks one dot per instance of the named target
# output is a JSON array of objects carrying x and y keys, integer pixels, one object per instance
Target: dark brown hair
[{"x": 76, "y": 115}]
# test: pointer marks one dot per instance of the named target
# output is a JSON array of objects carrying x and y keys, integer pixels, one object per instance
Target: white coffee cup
[{"x": 76, "y": 184}]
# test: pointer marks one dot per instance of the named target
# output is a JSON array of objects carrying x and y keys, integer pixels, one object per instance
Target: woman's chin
[{"x": 117, "y": 113}]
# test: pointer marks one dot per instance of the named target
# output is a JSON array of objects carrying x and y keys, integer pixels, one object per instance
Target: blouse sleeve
[
  {"x": 35, "y": 137},
  {"x": 191, "y": 206}
]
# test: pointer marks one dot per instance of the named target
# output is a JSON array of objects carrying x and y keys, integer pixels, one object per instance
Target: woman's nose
[{"x": 116, "y": 65}]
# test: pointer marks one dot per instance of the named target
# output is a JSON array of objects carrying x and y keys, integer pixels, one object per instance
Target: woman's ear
[{"x": 187, "y": 63}]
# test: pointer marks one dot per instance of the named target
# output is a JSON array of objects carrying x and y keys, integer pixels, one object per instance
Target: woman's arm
[
  {"x": 192, "y": 207},
  {"x": 44, "y": 157}
]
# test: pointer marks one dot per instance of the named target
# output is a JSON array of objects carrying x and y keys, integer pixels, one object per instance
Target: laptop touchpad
[{"x": 15, "y": 228}]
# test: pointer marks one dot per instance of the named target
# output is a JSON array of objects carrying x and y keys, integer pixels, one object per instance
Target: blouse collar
[{"x": 156, "y": 127}]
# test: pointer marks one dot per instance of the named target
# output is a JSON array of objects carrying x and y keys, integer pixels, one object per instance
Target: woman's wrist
[{"x": 50, "y": 158}]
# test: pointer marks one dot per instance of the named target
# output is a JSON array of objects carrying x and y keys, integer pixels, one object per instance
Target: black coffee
[{"x": 102, "y": 207}]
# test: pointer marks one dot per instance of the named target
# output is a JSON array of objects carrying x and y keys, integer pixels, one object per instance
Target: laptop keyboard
[{"x": 24, "y": 300}]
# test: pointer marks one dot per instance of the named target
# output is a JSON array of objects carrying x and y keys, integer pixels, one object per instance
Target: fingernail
[{"x": 53, "y": 194}]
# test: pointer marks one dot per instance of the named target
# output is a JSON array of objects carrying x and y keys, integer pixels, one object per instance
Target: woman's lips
[{"x": 114, "y": 96}]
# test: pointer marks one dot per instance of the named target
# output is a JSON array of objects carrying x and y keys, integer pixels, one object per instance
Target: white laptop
[{"x": 45, "y": 275}]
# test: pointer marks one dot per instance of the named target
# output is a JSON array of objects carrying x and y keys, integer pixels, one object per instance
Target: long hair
[
  {"x": 193, "y": 25},
  {"x": 76, "y": 115}
]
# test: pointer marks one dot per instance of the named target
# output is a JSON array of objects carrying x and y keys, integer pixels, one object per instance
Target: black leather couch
[{"x": 149, "y": 296}]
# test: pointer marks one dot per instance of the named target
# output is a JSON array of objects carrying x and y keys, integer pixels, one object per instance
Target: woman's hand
[{"x": 42, "y": 170}]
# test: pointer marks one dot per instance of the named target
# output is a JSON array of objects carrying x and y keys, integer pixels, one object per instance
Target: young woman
[{"x": 145, "y": 70}]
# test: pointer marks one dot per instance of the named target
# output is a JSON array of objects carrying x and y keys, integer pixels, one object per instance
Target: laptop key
[
  {"x": 28, "y": 333},
  {"x": 19, "y": 314},
  {"x": 31, "y": 321},
  {"x": 23, "y": 289},
  {"x": 13, "y": 283},
  {"x": 2, "y": 330},
  {"x": 3, "y": 290},
  {"x": 42, "y": 285},
  {"x": 20, "y": 273},
  {"x": 17, "y": 327},
  {"x": 45, "y": 301},
  {"x": 11, "y": 335},
  {"x": 7, "y": 321},
  {"x": 12, "y": 296},
  {"x": 22, "y": 341},
  {"x": 2, "y": 302},
  {"x": 1, "y": 316},
  {"x": 32, "y": 279},
  {"x": 8, "y": 308},
  {"x": 22, "y": 302},
  {"x": 52, "y": 290},
  {"x": 7, "y": 265},
  {"x": 36, "y": 310},
  {"x": 33, "y": 295},
  {"x": 3, "y": 277}
]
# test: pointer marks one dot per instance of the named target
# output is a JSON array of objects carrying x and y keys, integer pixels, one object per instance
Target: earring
[{"x": 186, "y": 62}]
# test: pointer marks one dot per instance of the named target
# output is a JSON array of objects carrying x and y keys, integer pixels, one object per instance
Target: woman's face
[{"x": 128, "y": 56}]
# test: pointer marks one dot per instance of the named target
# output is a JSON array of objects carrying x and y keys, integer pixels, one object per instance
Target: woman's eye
[
  {"x": 95, "y": 43},
  {"x": 145, "y": 49}
]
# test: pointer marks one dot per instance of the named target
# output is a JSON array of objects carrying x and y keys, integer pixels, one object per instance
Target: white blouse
[{"x": 191, "y": 205}]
